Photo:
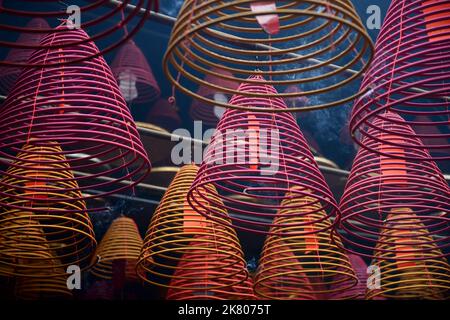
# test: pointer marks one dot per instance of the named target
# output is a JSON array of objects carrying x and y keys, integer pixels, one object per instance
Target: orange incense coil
[
  {"x": 299, "y": 260},
  {"x": 42, "y": 215},
  {"x": 122, "y": 241},
  {"x": 406, "y": 257},
  {"x": 183, "y": 248},
  {"x": 322, "y": 46}
]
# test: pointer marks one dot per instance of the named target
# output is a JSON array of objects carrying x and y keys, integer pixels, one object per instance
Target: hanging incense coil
[
  {"x": 80, "y": 108},
  {"x": 410, "y": 75},
  {"x": 122, "y": 241},
  {"x": 210, "y": 115},
  {"x": 43, "y": 217},
  {"x": 378, "y": 185},
  {"x": 407, "y": 260},
  {"x": 321, "y": 46},
  {"x": 164, "y": 115},
  {"x": 193, "y": 279},
  {"x": 271, "y": 159},
  {"x": 90, "y": 16},
  {"x": 134, "y": 75},
  {"x": 9, "y": 75},
  {"x": 299, "y": 259},
  {"x": 182, "y": 248},
  {"x": 44, "y": 287}
]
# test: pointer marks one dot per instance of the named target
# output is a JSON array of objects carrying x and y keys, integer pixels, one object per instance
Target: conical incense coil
[
  {"x": 410, "y": 75},
  {"x": 134, "y": 75},
  {"x": 44, "y": 287},
  {"x": 122, "y": 241},
  {"x": 379, "y": 184},
  {"x": 299, "y": 260},
  {"x": 178, "y": 236},
  {"x": 405, "y": 256},
  {"x": 258, "y": 156},
  {"x": 322, "y": 46},
  {"x": 43, "y": 216},
  {"x": 194, "y": 280},
  {"x": 125, "y": 23},
  {"x": 9, "y": 75},
  {"x": 80, "y": 107}
]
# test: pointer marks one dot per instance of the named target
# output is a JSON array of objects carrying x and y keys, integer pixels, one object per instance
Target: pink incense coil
[
  {"x": 202, "y": 111},
  {"x": 105, "y": 22},
  {"x": 196, "y": 278},
  {"x": 410, "y": 74},
  {"x": 271, "y": 159},
  {"x": 380, "y": 186},
  {"x": 9, "y": 75},
  {"x": 134, "y": 75},
  {"x": 80, "y": 108},
  {"x": 164, "y": 115},
  {"x": 358, "y": 292}
]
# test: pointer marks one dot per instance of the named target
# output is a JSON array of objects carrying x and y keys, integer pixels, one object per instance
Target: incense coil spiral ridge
[
  {"x": 134, "y": 75},
  {"x": 101, "y": 31},
  {"x": 183, "y": 249},
  {"x": 122, "y": 241},
  {"x": 80, "y": 108},
  {"x": 411, "y": 270},
  {"x": 9, "y": 75},
  {"x": 379, "y": 187},
  {"x": 253, "y": 176},
  {"x": 43, "y": 217},
  {"x": 410, "y": 75},
  {"x": 321, "y": 46},
  {"x": 303, "y": 263}
]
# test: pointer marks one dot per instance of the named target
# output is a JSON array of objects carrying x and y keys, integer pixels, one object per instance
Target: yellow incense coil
[
  {"x": 43, "y": 217},
  {"x": 411, "y": 266},
  {"x": 321, "y": 47},
  {"x": 183, "y": 249},
  {"x": 299, "y": 260},
  {"x": 122, "y": 241}
]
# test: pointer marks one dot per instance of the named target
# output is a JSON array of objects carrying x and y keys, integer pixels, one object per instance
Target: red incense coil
[
  {"x": 122, "y": 241},
  {"x": 43, "y": 216},
  {"x": 9, "y": 75},
  {"x": 182, "y": 248},
  {"x": 302, "y": 263},
  {"x": 80, "y": 108},
  {"x": 253, "y": 160},
  {"x": 410, "y": 75},
  {"x": 95, "y": 17},
  {"x": 134, "y": 75},
  {"x": 408, "y": 261},
  {"x": 378, "y": 185}
]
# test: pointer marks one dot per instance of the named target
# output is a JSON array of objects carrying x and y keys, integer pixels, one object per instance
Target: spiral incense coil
[
  {"x": 122, "y": 241},
  {"x": 165, "y": 115},
  {"x": 302, "y": 263},
  {"x": 193, "y": 280},
  {"x": 43, "y": 216},
  {"x": 182, "y": 248},
  {"x": 204, "y": 112},
  {"x": 260, "y": 156},
  {"x": 321, "y": 46},
  {"x": 406, "y": 260},
  {"x": 80, "y": 107},
  {"x": 90, "y": 15},
  {"x": 9, "y": 75},
  {"x": 46, "y": 286},
  {"x": 134, "y": 75},
  {"x": 410, "y": 75},
  {"x": 379, "y": 184},
  {"x": 358, "y": 292}
]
